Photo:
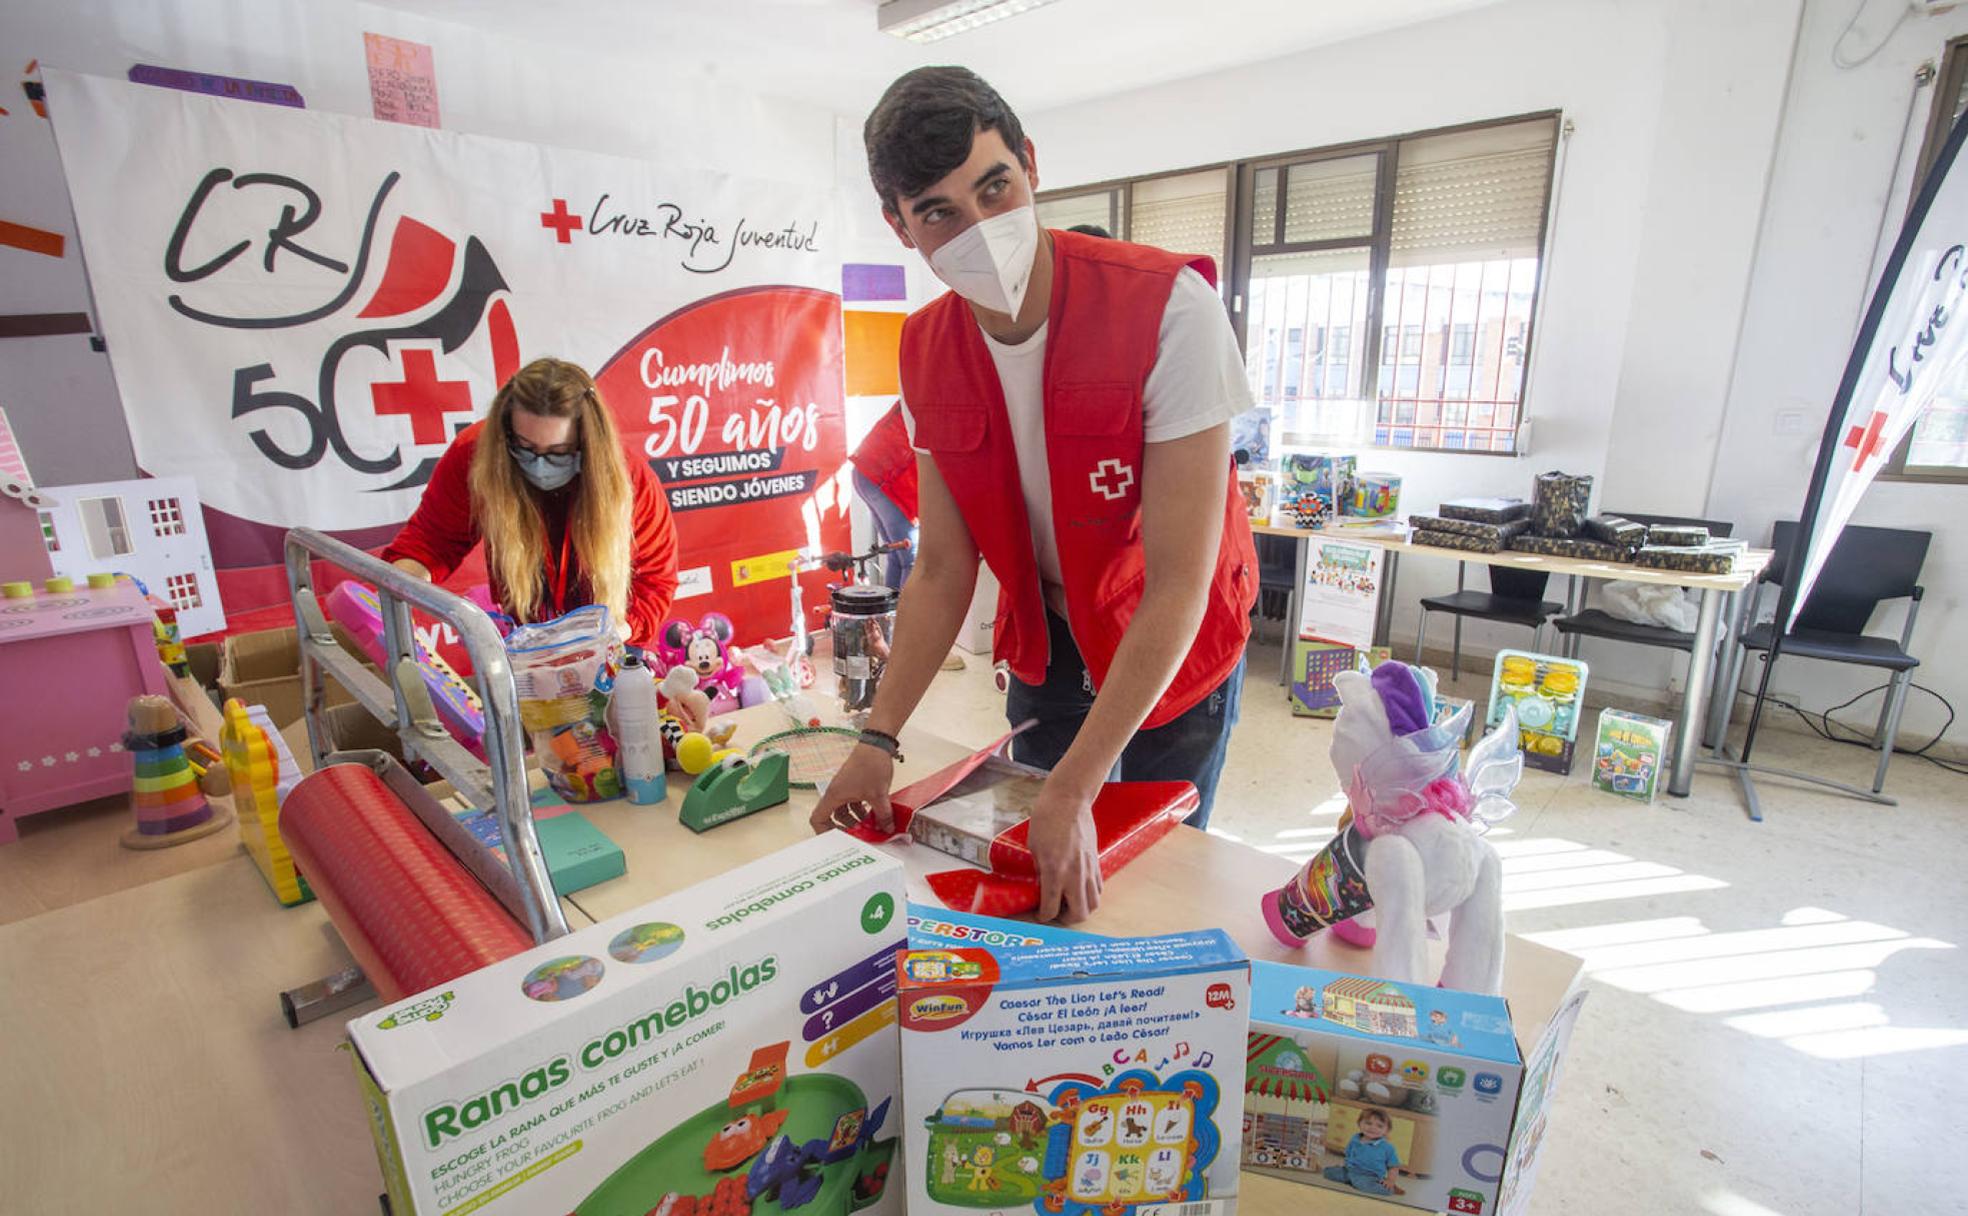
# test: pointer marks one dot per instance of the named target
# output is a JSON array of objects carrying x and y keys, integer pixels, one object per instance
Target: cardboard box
[
  {"x": 264, "y": 668},
  {"x": 733, "y": 1043},
  {"x": 1442, "y": 1069},
  {"x": 1098, "y": 1076}
]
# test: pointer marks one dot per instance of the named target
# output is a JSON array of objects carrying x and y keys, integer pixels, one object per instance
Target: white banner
[
  {"x": 1912, "y": 343},
  {"x": 303, "y": 309}
]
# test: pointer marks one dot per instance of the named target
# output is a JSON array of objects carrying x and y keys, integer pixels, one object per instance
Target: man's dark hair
[
  {"x": 1092, "y": 230},
  {"x": 922, "y": 129}
]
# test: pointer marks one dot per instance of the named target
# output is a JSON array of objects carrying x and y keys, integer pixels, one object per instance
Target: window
[
  {"x": 166, "y": 517},
  {"x": 104, "y": 526},
  {"x": 48, "y": 536},
  {"x": 1101, "y": 207},
  {"x": 1185, "y": 212},
  {"x": 1415, "y": 258},
  {"x": 1937, "y": 447},
  {"x": 182, "y": 591}
]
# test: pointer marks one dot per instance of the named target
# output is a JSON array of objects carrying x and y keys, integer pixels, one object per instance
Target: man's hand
[
  {"x": 1062, "y": 841},
  {"x": 859, "y": 789}
]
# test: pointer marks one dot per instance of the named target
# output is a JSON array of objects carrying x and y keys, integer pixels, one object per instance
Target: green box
[{"x": 1629, "y": 753}]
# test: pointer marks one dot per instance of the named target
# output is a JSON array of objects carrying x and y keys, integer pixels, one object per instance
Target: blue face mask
[{"x": 547, "y": 472}]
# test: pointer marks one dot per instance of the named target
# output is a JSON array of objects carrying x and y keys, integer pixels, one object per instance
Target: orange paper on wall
[{"x": 874, "y": 352}]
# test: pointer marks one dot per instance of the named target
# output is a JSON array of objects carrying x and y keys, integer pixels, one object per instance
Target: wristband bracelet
[{"x": 882, "y": 741}]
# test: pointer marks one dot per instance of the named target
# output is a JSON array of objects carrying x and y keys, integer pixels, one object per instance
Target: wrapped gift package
[
  {"x": 1469, "y": 527},
  {"x": 1677, "y": 535},
  {"x": 1613, "y": 530},
  {"x": 1559, "y": 503},
  {"x": 1485, "y": 510},
  {"x": 1475, "y": 537},
  {"x": 1457, "y": 540},
  {"x": 1583, "y": 548},
  {"x": 1703, "y": 559}
]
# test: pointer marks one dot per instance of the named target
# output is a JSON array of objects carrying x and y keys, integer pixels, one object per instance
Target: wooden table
[
  {"x": 149, "y": 1070},
  {"x": 1722, "y": 597}
]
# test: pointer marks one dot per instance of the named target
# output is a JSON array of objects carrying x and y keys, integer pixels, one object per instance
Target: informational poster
[
  {"x": 1341, "y": 596},
  {"x": 402, "y": 80},
  {"x": 303, "y": 309}
]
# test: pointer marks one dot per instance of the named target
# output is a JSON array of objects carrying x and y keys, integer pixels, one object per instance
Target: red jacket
[
  {"x": 1103, "y": 334},
  {"x": 444, "y": 529},
  {"x": 885, "y": 458}
]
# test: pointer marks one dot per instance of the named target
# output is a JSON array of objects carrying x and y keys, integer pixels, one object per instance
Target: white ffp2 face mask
[{"x": 990, "y": 263}]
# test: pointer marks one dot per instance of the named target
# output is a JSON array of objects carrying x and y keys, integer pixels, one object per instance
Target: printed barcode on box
[{"x": 1206, "y": 1207}]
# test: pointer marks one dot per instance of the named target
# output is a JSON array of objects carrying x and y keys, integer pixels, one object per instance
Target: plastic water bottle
[{"x": 638, "y": 732}]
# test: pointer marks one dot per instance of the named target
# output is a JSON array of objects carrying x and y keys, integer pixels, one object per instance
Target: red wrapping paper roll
[{"x": 411, "y": 913}]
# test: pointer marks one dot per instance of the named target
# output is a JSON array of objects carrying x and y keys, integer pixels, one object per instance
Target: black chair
[
  {"x": 1515, "y": 597},
  {"x": 1866, "y": 566},
  {"x": 1598, "y": 623}
]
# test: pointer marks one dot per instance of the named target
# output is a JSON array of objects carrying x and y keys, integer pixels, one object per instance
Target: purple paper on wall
[
  {"x": 864, "y": 281},
  {"x": 218, "y": 86}
]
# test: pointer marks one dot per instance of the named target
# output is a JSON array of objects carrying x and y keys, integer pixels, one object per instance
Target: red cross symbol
[
  {"x": 1112, "y": 479},
  {"x": 422, "y": 397},
  {"x": 563, "y": 222},
  {"x": 1865, "y": 439}
]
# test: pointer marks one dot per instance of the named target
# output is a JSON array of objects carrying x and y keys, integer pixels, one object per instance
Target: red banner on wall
[{"x": 736, "y": 404}]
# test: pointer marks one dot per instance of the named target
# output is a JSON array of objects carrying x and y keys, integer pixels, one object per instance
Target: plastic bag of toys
[{"x": 564, "y": 673}]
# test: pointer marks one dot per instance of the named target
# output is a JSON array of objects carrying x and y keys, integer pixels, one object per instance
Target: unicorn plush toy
[{"x": 1412, "y": 847}]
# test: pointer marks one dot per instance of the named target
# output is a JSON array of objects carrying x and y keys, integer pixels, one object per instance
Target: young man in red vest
[{"x": 1069, "y": 401}]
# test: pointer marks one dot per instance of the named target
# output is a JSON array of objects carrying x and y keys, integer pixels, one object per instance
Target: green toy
[{"x": 736, "y": 788}]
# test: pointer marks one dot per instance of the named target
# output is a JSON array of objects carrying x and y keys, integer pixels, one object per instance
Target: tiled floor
[
  {"x": 1778, "y": 1023},
  {"x": 1778, "y": 1019}
]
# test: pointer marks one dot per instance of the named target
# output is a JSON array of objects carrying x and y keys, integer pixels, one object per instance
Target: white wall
[
  {"x": 626, "y": 101},
  {"x": 1832, "y": 184},
  {"x": 1675, "y": 105}
]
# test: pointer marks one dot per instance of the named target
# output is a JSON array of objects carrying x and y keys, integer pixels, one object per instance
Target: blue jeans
[
  {"x": 890, "y": 525},
  {"x": 1359, "y": 1180},
  {"x": 1190, "y": 748}
]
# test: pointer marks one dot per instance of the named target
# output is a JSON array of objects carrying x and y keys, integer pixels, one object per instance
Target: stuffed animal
[
  {"x": 1414, "y": 848},
  {"x": 705, "y": 648}
]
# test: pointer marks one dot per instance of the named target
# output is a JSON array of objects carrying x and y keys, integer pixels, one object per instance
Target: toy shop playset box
[
  {"x": 1087, "y": 1078},
  {"x": 729, "y": 1050},
  {"x": 1415, "y": 1095}
]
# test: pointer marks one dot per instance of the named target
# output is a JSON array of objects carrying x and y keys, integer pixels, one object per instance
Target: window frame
[
  {"x": 1948, "y": 85},
  {"x": 1244, "y": 250}
]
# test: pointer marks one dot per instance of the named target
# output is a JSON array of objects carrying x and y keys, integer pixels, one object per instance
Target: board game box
[
  {"x": 1094, "y": 1078},
  {"x": 729, "y": 1050},
  {"x": 1411, "y": 1094},
  {"x": 1629, "y": 753}
]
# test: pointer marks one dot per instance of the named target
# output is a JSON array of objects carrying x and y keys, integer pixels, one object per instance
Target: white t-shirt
[{"x": 1197, "y": 382}]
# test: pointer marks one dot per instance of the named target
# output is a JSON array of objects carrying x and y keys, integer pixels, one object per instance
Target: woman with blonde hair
[{"x": 566, "y": 519}]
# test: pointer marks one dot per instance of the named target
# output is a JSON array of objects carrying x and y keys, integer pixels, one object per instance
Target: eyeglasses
[
  {"x": 553, "y": 460},
  {"x": 556, "y": 458}
]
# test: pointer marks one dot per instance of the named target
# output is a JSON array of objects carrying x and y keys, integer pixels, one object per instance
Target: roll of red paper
[{"x": 411, "y": 913}]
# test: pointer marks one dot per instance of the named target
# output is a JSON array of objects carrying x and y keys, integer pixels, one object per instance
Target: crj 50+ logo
[{"x": 369, "y": 393}]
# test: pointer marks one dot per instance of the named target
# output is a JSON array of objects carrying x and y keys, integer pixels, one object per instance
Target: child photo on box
[{"x": 1370, "y": 1157}]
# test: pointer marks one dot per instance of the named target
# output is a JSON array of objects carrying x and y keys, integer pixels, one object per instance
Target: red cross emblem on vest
[{"x": 1112, "y": 479}]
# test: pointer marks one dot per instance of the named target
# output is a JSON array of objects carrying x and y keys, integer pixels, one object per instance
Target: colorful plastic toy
[
  {"x": 258, "y": 763},
  {"x": 705, "y": 648},
  {"x": 1412, "y": 847},
  {"x": 355, "y": 608},
  {"x": 735, "y": 788},
  {"x": 170, "y": 807}
]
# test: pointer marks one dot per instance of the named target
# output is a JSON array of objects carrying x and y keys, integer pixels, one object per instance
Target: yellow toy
[
  {"x": 695, "y": 753},
  {"x": 257, "y": 760}
]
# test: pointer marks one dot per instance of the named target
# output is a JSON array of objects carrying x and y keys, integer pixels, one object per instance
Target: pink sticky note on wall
[{"x": 402, "y": 80}]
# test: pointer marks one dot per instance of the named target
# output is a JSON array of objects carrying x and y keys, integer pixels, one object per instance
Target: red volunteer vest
[{"x": 1102, "y": 336}]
